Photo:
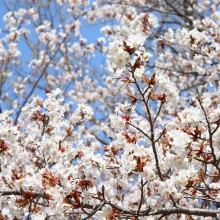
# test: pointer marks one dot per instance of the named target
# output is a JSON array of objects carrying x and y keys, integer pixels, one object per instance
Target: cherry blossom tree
[{"x": 123, "y": 127}]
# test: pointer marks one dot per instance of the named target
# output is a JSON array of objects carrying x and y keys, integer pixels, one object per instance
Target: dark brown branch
[
  {"x": 93, "y": 213},
  {"x": 179, "y": 13},
  {"x": 187, "y": 211},
  {"x": 101, "y": 140},
  {"x": 158, "y": 112},
  {"x": 217, "y": 127},
  {"x": 201, "y": 198},
  {"x": 141, "y": 131},
  {"x": 147, "y": 212},
  {"x": 18, "y": 193},
  {"x": 142, "y": 197},
  {"x": 161, "y": 134},
  {"x": 215, "y": 161}
]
